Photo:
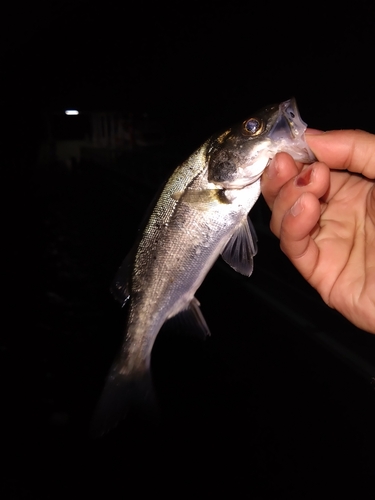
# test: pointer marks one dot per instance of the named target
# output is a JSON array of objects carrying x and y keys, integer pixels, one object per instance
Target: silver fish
[{"x": 202, "y": 213}]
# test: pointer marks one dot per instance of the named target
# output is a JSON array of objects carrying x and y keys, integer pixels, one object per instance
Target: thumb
[{"x": 352, "y": 150}]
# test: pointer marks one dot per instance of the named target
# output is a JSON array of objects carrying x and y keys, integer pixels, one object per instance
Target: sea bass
[{"x": 201, "y": 213}]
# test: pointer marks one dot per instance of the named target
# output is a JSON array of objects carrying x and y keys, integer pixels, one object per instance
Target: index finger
[{"x": 353, "y": 150}]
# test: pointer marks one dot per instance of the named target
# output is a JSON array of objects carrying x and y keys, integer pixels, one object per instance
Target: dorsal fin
[{"x": 120, "y": 287}]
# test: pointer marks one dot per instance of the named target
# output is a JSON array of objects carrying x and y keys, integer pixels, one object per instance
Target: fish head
[{"x": 238, "y": 157}]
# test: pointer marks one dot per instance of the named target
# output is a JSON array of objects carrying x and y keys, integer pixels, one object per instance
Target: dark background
[{"x": 278, "y": 402}]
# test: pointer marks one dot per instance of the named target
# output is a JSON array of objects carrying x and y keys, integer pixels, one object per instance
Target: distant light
[{"x": 72, "y": 112}]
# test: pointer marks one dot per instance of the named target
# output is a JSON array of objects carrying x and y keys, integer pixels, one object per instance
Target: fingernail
[
  {"x": 304, "y": 177},
  {"x": 272, "y": 169},
  {"x": 314, "y": 131},
  {"x": 297, "y": 208}
]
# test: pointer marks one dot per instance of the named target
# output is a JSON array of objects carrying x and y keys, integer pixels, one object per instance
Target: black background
[{"x": 261, "y": 409}]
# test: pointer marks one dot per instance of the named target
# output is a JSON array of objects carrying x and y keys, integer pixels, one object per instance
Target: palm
[{"x": 344, "y": 267}]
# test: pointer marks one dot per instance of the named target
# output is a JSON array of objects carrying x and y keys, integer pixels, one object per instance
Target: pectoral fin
[{"x": 241, "y": 248}]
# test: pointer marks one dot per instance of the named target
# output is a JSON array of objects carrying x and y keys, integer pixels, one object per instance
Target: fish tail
[{"x": 123, "y": 393}]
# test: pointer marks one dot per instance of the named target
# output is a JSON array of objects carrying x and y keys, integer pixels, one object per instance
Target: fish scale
[{"x": 201, "y": 213}]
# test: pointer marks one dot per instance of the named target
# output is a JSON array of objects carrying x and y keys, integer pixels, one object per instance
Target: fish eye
[{"x": 253, "y": 126}]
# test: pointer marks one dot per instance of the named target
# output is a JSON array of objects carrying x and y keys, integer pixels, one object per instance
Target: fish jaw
[{"x": 288, "y": 133}]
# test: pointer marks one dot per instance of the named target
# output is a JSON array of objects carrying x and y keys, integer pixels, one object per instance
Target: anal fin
[{"x": 190, "y": 320}]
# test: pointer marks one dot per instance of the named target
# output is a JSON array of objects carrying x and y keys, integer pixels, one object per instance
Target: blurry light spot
[{"x": 71, "y": 112}]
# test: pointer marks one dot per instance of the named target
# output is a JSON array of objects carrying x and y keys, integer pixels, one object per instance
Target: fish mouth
[{"x": 288, "y": 132}]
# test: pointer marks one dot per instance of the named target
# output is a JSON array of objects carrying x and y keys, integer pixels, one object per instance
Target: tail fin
[{"x": 121, "y": 394}]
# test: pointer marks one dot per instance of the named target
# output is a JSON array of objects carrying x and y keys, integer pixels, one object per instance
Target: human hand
[{"x": 324, "y": 215}]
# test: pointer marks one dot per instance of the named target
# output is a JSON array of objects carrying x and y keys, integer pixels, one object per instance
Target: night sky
[
  {"x": 193, "y": 62},
  {"x": 265, "y": 412}
]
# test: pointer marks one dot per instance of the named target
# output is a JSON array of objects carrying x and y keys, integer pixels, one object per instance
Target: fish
[{"x": 201, "y": 213}]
